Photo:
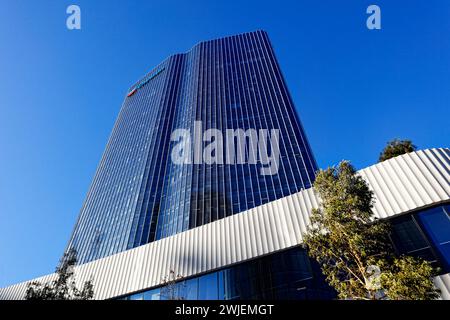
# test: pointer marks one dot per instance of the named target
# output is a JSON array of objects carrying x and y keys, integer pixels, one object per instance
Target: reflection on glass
[
  {"x": 436, "y": 223},
  {"x": 152, "y": 294},
  {"x": 207, "y": 287},
  {"x": 284, "y": 275},
  {"x": 408, "y": 238}
]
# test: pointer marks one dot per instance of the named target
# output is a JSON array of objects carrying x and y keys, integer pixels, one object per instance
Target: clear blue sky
[{"x": 61, "y": 90}]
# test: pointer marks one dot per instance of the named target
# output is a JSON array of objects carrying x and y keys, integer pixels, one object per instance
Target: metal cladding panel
[
  {"x": 408, "y": 182},
  {"x": 443, "y": 283},
  {"x": 402, "y": 184}
]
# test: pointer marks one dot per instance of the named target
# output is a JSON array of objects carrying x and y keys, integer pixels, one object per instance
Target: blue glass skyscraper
[{"x": 138, "y": 195}]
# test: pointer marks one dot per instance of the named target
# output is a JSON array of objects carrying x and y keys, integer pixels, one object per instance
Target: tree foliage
[
  {"x": 409, "y": 279},
  {"x": 63, "y": 287},
  {"x": 354, "y": 249},
  {"x": 395, "y": 148}
]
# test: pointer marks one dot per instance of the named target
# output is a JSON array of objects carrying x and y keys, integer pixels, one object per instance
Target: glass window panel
[
  {"x": 407, "y": 236},
  {"x": 152, "y": 294},
  {"x": 138, "y": 296},
  {"x": 221, "y": 286},
  {"x": 208, "y": 289},
  {"x": 189, "y": 289},
  {"x": 436, "y": 223}
]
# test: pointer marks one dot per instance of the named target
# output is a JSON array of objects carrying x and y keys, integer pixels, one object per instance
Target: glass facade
[
  {"x": 285, "y": 275},
  {"x": 425, "y": 234},
  {"x": 138, "y": 195}
]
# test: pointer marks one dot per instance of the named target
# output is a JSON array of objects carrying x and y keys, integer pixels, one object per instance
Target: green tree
[
  {"x": 63, "y": 287},
  {"x": 395, "y": 148},
  {"x": 354, "y": 249},
  {"x": 408, "y": 279}
]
